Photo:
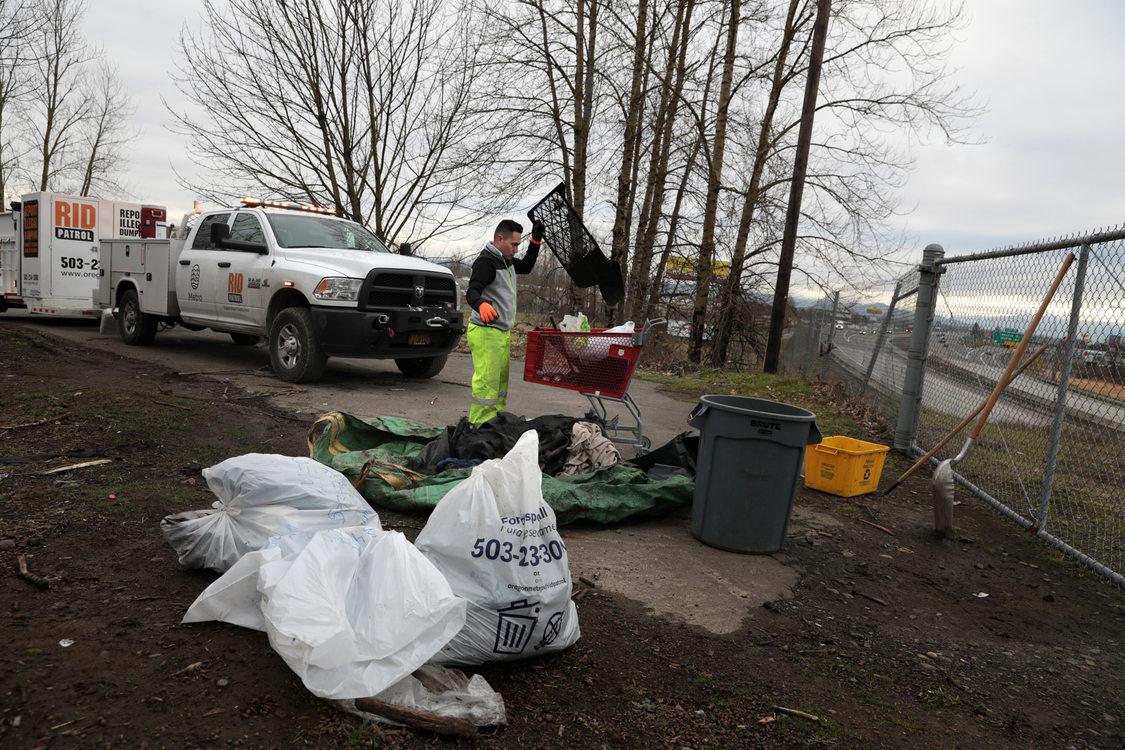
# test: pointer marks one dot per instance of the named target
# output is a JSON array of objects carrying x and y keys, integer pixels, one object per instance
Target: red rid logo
[{"x": 75, "y": 215}]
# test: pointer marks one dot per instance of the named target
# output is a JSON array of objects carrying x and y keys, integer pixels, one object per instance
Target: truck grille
[{"x": 382, "y": 290}]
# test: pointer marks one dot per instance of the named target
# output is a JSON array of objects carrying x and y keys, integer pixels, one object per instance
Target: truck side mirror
[
  {"x": 220, "y": 233},
  {"x": 405, "y": 249}
]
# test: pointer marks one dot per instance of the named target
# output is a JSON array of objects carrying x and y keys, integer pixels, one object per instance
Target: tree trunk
[
  {"x": 793, "y": 213},
  {"x": 704, "y": 271},
  {"x": 648, "y": 223},
  {"x": 634, "y": 109},
  {"x": 732, "y": 290}
]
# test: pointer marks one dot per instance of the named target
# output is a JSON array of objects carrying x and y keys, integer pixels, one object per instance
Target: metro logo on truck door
[{"x": 75, "y": 220}]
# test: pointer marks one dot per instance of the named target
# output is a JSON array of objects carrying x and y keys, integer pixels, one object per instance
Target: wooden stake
[
  {"x": 42, "y": 583},
  {"x": 881, "y": 528},
  {"x": 795, "y": 712},
  {"x": 83, "y": 465}
]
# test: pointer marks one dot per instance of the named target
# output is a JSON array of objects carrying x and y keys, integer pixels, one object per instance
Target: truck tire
[
  {"x": 244, "y": 339},
  {"x": 136, "y": 328},
  {"x": 294, "y": 352},
  {"x": 421, "y": 367}
]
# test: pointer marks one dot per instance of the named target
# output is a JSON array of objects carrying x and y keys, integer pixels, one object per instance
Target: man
[{"x": 492, "y": 295}]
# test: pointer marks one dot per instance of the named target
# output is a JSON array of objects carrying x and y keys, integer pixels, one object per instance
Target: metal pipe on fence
[
  {"x": 827, "y": 354},
  {"x": 1039, "y": 247},
  {"x": 882, "y": 337},
  {"x": 1064, "y": 386},
  {"x": 906, "y": 429}
]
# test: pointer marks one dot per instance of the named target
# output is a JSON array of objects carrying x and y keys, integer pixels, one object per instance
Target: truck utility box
[{"x": 149, "y": 265}]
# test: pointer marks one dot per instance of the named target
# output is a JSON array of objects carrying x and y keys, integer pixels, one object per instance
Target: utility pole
[{"x": 796, "y": 188}]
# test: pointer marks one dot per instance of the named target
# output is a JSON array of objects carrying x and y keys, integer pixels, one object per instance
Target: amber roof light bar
[{"x": 249, "y": 202}]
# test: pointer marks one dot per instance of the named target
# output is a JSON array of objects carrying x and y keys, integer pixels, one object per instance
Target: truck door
[
  {"x": 201, "y": 274},
  {"x": 242, "y": 301}
]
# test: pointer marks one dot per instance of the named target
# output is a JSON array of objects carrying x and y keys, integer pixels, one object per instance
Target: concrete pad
[{"x": 661, "y": 565}]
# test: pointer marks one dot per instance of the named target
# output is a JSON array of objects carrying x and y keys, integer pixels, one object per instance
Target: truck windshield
[{"x": 306, "y": 230}]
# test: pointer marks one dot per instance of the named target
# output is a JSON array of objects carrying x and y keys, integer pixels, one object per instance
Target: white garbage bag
[
  {"x": 599, "y": 346},
  {"x": 496, "y": 541},
  {"x": 352, "y": 611},
  {"x": 262, "y": 496}
]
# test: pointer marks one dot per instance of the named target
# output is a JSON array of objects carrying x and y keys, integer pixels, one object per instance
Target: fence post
[
  {"x": 1064, "y": 386},
  {"x": 910, "y": 407},
  {"x": 826, "y": 355},
  {"x": 882, "y": 336}
]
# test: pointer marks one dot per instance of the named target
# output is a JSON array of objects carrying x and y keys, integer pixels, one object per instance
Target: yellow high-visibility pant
[{"x": 491, "y": 349}]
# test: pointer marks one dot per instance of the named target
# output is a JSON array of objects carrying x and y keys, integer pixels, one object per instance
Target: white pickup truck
[{"x": 315, "y": 285}]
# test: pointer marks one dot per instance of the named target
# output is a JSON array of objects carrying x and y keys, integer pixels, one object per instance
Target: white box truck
[
  {"x": 314, "y": 285},
  {"x": 50, "y": 249}
]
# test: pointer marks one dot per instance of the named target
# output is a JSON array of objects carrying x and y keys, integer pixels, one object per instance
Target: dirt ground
[{"x": 892, "y": 639}]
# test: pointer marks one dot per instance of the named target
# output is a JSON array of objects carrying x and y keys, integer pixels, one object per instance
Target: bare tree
[
  {"x": 714, "y": 165},
  {"x": 60, "y": 101},
  {"x": 17, "y": 23},
  {"x": 63, "y": 113},
  {"x": 732, "y": 290},
  {"x": 668, "y": 96},
  {"x": 104, "y": 133},
  {"x": 884, "y": 82},
  {"x": 556, "y": 95},
  {"x": 702, "y": 135},
  {"x": 372, "y": 108},
  {"x": 631, "y": 140}
]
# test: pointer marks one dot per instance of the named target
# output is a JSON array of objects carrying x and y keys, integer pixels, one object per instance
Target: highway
[{"x": 979, "y": 368}]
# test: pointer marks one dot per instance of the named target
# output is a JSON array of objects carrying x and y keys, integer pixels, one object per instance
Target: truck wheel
[
  {"x": 244, "y": 339},
  {"x": 421, "y": 367},
  {"x": 136, "y": 328},
  {"x": 294, "y": 352}
]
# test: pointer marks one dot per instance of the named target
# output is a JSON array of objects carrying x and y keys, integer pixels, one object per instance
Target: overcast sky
[{"x": 1049, "y": 72}]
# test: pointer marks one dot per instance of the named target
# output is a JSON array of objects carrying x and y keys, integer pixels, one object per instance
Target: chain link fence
[{"x": 929, "y": 348}]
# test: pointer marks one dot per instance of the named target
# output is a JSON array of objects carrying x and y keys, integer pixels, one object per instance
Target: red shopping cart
[{"x": 599, "y": 365}]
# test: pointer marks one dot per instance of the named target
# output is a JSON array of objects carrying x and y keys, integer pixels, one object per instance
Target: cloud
[
  {"x": 140, "y": 37},
  {"x": 1052, "y": 162}
]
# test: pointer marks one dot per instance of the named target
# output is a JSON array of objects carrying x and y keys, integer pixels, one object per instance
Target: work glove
[
  {"x": 537, "y": 232},
  {"x": 487, "y": 312}
]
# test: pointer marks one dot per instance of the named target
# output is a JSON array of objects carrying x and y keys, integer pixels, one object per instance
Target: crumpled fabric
[
  {"x": 589, "y": 450},
  {"x": 495, "y": 438}
]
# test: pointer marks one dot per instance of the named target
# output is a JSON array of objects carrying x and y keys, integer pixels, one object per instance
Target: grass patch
[{"x": 758, "y": 385}]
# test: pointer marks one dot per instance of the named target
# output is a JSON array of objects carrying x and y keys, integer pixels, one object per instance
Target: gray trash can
[{"x": 751, "y": 454}]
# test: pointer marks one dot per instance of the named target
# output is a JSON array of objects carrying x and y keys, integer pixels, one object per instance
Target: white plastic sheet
[
  {"x": 496, "y": 541},
  {"x": 352, "y": 611},
  {"x": 262, "y": 496}
]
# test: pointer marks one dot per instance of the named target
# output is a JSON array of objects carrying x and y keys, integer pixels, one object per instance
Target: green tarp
[{"x": 380, "y": 445}]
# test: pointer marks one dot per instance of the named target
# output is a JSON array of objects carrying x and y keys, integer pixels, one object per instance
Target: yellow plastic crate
[{"x": 844, "y": 466}]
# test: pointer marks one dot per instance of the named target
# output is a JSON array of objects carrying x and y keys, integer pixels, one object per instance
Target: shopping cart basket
[{"x": 597, "y": 364}]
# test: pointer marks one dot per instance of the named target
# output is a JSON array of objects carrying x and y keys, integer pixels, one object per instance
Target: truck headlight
[{"x": 338, "y": 289}]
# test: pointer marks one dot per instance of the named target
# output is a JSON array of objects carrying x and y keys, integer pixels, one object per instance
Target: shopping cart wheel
[{"x": 646, "y": 443}]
